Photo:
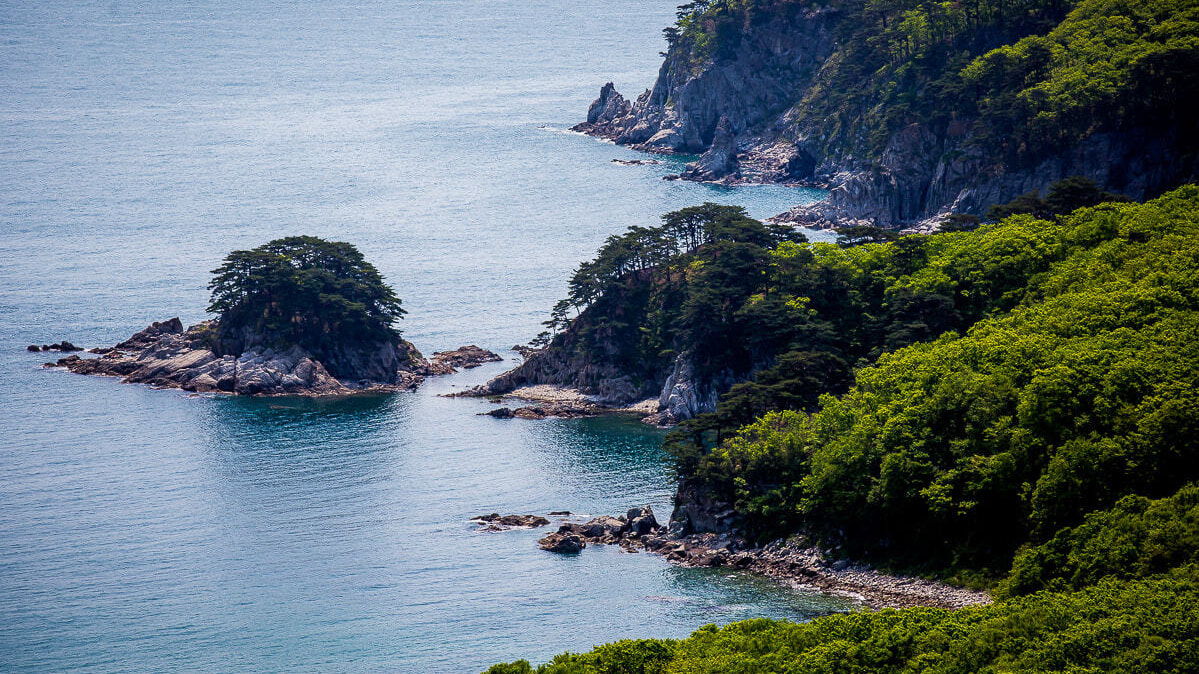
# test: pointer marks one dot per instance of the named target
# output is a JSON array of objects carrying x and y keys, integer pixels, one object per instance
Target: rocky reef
[{"x": 166, "y": 355}]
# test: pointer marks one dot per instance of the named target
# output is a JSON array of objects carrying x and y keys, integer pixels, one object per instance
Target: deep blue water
[{"x": 149, "y": 530}]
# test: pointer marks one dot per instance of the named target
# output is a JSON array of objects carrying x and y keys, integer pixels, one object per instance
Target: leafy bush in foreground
[
  {"x": 1144, "y": 626},
  {"x": 1135, "y": 539}
]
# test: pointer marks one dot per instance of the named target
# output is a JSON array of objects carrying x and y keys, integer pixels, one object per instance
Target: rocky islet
[{"x": 166, "y": 355}]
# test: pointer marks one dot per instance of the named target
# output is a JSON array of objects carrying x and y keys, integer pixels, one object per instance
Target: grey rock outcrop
[
  {"x": 642, "y": 521},
  {"x": 167, "y": 356},
  {"x": 561, "y": 364},
  {"x": 466, "y": 357},
  {"x": 720, "y": 161},
  {"x": 698, "y": 511},
  {"x": 685, "y": 395},
  {"x": 607, "y": 114},
  {"x": 512, "y": 521},
  {"x": 750, "y": 87},
  {"x": 921, "y": 177}
]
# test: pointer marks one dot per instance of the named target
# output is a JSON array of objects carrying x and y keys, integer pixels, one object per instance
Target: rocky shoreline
[
  {"x": 564, "y": 380},
  {"x": 793, "y": 561},
  {"x": 165, "y": 355},
  {"x": 552, "y": 401}
]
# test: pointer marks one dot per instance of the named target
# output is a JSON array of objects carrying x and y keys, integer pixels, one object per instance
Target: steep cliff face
[
  {"x": 922, "y": 177},
  {"x": 682, "y": 392},
  {"x": 828, "y": 96},
  {"x": 750, "y": 85}
]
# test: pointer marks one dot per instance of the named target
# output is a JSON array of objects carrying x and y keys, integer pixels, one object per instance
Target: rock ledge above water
[{"x": 166, "y": 355}]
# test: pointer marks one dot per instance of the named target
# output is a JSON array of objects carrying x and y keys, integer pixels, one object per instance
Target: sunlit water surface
[{"x": 148, "y": 530}]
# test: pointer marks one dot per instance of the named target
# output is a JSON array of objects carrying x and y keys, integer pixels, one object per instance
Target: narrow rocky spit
[
  {"x": 562, "y": 402},
  {"x": 165, "y": 355},
  {"x": 794, "y": 561}
]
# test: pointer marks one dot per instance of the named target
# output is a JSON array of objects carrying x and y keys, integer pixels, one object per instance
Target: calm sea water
[{"x": 140, "y": 142}]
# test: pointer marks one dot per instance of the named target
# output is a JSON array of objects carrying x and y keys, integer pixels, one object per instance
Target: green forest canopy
[{"x": 1076, "y": 386}]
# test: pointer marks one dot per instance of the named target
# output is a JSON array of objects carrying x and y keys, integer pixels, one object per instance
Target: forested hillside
[
  {"x": 1046, "y": 439},
  {"x": 1077, "y": 387}
]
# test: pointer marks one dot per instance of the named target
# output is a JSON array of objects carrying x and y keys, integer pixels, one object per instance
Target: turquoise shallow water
[{"x": 147, "y": 530}]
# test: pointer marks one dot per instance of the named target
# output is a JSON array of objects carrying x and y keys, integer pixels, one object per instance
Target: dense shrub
[{"x": 1145, "y": 626}]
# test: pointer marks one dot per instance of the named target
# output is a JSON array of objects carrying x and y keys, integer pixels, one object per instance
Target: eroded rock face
[
  {"x": 607, "y": 114},
  {"x": 562, "y": 364},
  {"x": 698, "y": 511},
  {"x": 720, "y": 160},
  {"x": 749, "y": 87},
  {"x": 759, "y": 89},
  {"x": 167, "y": 356},
  {"x": 685, "y": 395},
  {"x": 681, "y": 393}
]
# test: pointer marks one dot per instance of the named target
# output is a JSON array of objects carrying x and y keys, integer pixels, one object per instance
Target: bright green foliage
[
  {"x": 1145, "y": 626},
  {"x": 1078, "y": 386},
  {"x": 740, "y": 297},
  {"x": 301, "y": 290},
  {"x": 1135, "y": 539}
]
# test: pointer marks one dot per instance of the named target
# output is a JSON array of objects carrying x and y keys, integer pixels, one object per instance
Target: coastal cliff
[{"x": 907, "y": 115}]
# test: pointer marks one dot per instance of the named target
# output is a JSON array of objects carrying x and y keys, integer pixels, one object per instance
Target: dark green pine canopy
[{"x": 303, "y": 290}]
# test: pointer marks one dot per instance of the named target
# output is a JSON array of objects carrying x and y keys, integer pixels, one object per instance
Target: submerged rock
[{"x": 636, "y": 162}]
